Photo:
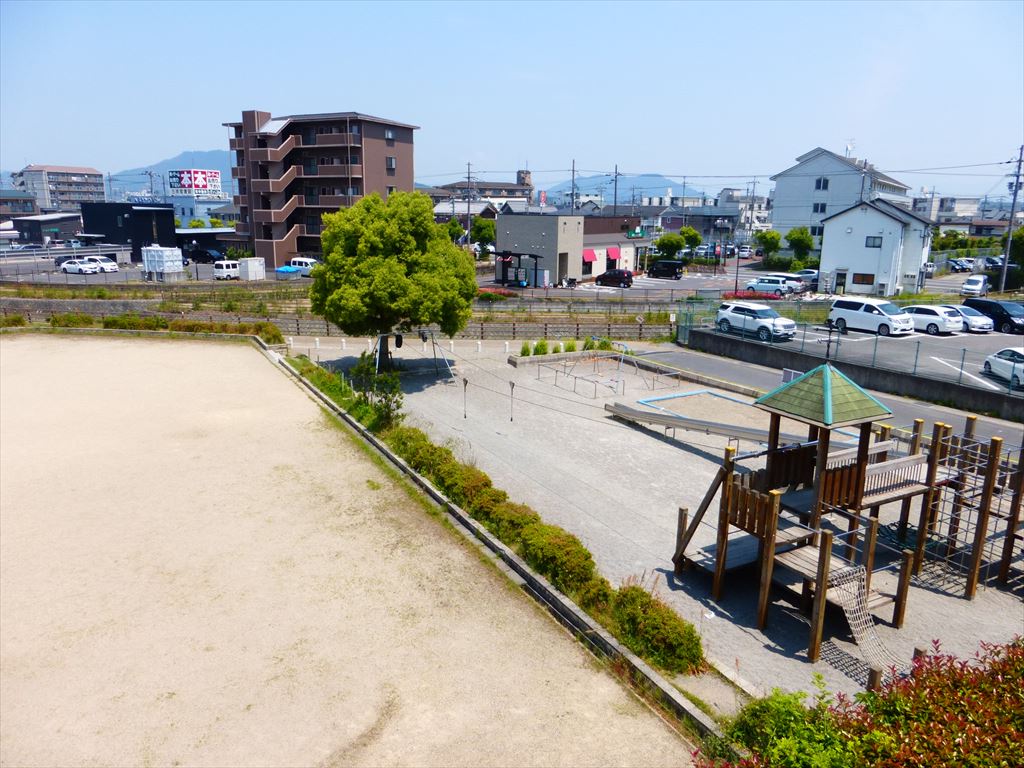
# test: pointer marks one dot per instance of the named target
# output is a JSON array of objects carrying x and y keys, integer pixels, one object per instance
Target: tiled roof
[
  {"x": 824, "y": 397},
  {"x": 62, "y": 169}
]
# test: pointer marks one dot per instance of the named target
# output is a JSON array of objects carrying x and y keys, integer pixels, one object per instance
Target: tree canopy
[
  {"x": 690, "y": 236},
  {"x": 483, "y": 231},
  {"x": 669, "y": 245},
  {"x": 387, "y": 266},
  {"x": 455, "y": 230},
  {"x": 769, "y": 240},
  {"x": 197, "y": 224},
  {"x": 801, "y": 241}
]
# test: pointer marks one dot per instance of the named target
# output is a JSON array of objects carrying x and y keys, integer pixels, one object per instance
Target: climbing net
[{"x": 849, "y": 586}]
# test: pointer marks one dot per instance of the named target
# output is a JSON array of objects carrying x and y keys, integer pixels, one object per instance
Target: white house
[
  {"x": 822, "y": 183},
  {"x": 875, "y": 247}
]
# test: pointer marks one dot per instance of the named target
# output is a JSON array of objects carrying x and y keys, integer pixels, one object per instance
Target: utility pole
[
  {"x": 615, "y": 199},
  {"x": 750, "y": 211},
  {"x": 572, "y": 189},
  {"x": 469, "y": 221},
  {"x": 1009, "y": 230}
]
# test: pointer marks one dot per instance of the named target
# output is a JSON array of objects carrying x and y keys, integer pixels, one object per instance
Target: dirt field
[{"x": 196, "y": 568}]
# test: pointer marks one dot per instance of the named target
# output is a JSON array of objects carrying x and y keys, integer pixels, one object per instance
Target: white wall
[{"x": 844, "y": 248}]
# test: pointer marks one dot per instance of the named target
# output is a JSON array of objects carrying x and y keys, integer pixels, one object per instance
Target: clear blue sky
[{"x": 702, "y": 89}]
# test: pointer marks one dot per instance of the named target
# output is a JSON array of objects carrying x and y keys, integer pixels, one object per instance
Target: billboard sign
[{"x": 197, "y": 182}]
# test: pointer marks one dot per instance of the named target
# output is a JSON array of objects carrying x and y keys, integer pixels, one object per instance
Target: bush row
[
  {"x": 269, "y": 332},
  {"x": 12, "y": 321},
  {"x": 541, "y": 347},
  {"x": 641, "y": 621}
]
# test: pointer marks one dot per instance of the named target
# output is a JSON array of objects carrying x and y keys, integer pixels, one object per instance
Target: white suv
[{"x": 754, "y": 319}]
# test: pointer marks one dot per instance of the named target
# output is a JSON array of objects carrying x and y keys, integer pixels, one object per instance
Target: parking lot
[{"x": 957, "y": 357}]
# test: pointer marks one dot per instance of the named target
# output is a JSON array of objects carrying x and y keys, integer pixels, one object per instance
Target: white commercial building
[
  {"x": 822, "y": 183},
  {"x": 875, "y": 248}
]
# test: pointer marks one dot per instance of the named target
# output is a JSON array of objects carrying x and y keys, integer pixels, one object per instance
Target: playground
[
  {"x": 224, "y": 578},
  {"x": 616, "y": 467}
]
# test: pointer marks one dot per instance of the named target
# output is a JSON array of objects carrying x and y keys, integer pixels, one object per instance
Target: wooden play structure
[{"x": 810, "y": 516}]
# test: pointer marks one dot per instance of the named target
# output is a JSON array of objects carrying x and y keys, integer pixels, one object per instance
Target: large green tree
[
  {"x": 455, "y": 230},
  {"x": 388, "y": 267},
  {"x": 801, "y": 241},
  {"x": 690, "y": 236},
  {"x": 483, "y": 231},
  {"x": 669, "y": 245},
  {"x": 769, "y": 240}
]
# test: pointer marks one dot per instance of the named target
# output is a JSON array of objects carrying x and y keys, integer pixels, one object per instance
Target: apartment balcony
[
  {"x": 279, "y": 184},
  {"x": 277, "y": 252},
  {"x": 238, "y": 143},
  {"x": 276, "y": 216},
  {"x": 276, "y": 154},
  {"x": 335, "y": 171},
  {"x": 339, "y": 140},
  {"x": 238, "y": 172},
  {"x": 240, "y": 200},
  {"x": 332, "y": 201}
]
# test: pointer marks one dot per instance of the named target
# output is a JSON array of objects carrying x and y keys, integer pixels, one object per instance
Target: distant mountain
[
  {"x": 135, "y": 180},
  {"x": 644, "y": 185}
]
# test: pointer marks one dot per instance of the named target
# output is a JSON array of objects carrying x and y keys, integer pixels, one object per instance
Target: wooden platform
[
  {"x": 742, "y": 549},
  {"x": 797, "y": 566}
]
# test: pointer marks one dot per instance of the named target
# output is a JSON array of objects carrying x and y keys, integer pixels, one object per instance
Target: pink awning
[
  {"x": 613, "y": 253},
  {"x": 589, "y": 255}
]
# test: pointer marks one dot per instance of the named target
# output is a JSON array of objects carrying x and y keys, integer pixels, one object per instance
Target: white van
[
  {"x": 303, "y": 264},
  {"x": 878, "y": 315},
  {"x": 225, "y": 270}
]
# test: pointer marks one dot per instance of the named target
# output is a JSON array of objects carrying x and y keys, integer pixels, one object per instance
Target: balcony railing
[
  {"x": 238, "y": 172},
  {"x": 331, "y": 171},
  {"x": 276, "y": 216},
  {"x": 338, "y": 139},
  {"x": 276, "y": 154},
  {"x": 279, "y": 184},
  {"x": 332, "y": 201},
  {"x": 238, "y": 143}
]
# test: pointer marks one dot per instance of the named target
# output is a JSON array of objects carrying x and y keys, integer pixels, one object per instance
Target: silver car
[
  {"x": 972, "y": 320},
  {"x": 934, "y": 320},
  {"x": 79, "y": 267}
]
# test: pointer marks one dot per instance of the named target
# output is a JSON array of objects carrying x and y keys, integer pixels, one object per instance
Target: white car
[
  {"x": 746, "y": 252},
  {"x": 1006, "y": 364},
  {"x": 702, "y": 251},
  {"x": 102, "y": 262},
  {"x": 973, "y": 321},
  {"x": 975, "y": 285},
  {"x": 753, "y": 319},
  {"x": 934, "y": 320},
  {"x": 225, "y": 270},
  {"x": 770, "y": 284},
  {"x": 869, "y": 314},
  {"x": 79, "y": 267},
  {"x": 795, "y": 282}
]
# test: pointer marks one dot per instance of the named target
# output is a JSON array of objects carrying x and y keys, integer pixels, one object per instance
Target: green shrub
[
  {"x": 508, "y": 520},
  {"x": 541, "y": 347},
  {"x": 604, "y": 344},
  {"x": 588, "y": 344},
  {"x": 524, "y": 351},
  {"x": 462, "y": 483},
  {"x": 651, "y": 629},
  {"x": 558, "y": 555},
  {"x": 72, "y": 320},
  {"x": 485, "y": 501},
  {"x": 12, "y": 321},
  {"x": 570, "y": 345},
  {"x": 132, "y": 322},
  {"x": 596, "y": 595}
]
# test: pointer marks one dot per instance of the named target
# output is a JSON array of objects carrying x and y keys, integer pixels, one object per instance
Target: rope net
[{"x": 849, "y": 585}]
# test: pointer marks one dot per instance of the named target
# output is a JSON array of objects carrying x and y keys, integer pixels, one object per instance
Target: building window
[
  {"x": 390, "y": 163},
  {"x": 817, "y": 231},
  {"x": 819, "y": 207},
  {"x": 391, "y": 190},
  {"x": 588, "y": 267},
  {"x": 872, "y": 242},
  {"x": 821, "y": 183},
  {"x": 389, "y": 134},
  {"x": 862, "y": 278}
]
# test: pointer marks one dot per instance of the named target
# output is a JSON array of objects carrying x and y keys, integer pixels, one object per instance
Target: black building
[
  {"x": 132, "y": 224},
  {"x": 52, "y": 226}
]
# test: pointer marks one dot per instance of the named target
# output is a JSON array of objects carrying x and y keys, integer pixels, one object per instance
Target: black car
[
  {"x": 666, "y": 268},
  {"x": 959, "y": 265},
  {"x": 1007, "y": 316},
  {"x": 621, "y": 278},
  {"x": 206, "y": 255}
]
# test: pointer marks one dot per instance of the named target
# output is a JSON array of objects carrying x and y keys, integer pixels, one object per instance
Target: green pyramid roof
[{"x": 824, "y": 397}]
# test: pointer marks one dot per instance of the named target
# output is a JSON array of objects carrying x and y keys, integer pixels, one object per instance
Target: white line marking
[{"x": 980, "y": 380}]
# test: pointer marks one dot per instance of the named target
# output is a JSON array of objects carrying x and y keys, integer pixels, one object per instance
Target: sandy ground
[
  {"x": 618, "y": 488},
  {"x": 197, "y": 569}
]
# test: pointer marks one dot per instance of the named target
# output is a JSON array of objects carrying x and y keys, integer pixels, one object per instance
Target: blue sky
[{"x": 709, "y": 90}]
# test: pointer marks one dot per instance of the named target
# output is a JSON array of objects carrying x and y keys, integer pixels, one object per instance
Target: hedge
[
  {"x": 557, "y": 555},
  {"x": 654, "y": 631},
  {"x": 12, "y": 321},
  {"x": 72, "y": 320}
]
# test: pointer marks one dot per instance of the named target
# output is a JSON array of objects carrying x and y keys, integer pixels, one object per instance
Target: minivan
[
  {"x": 304, "y": 264},
  {"x": 225, "y": 270},
  {"x": 667, "y": 268},
  {"x": 877, "y": 315},
  {"x": 769, "y": 284},
  {"x": 975, "y": 285},
  {"x": 1007, "y": 316}
]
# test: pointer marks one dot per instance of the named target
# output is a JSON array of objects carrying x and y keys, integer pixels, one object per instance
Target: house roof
[
  {"x": 62, "y": 169},
  {"x": 511, "y": 185},
  {"x": 275, "y": 124},
  {"x": 643, "y": 211},
  {"x": 901, "y": 214},
  {"x": 227, "y": 208},
  {"x": 860, "y": 167},
  {"x": 49, "y": 217},
  {"x": 824, "y": 397},
  {"x": 15, "y": 194},
  {"x": 475, "y": 208}
]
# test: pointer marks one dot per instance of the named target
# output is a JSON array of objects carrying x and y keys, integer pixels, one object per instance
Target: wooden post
[
  {"x": 820, "y": 461},
  {"x": 768, "y": 556},
  {"x": 1013, "y": 522},
  {"x": 919, "y": 652},
  {"x": 874, "y": 678},
  {"x": 704, "y": 504},
  {"x": 960, "y": 445},
  {"x": 774, "y": 424},
  {"x": 870, "y": 539},
  {"x": 926, "y": 500},
  {"x": 995, "y": 451},
  {"x": 915, "y": 440},
  {"x": 677, "y": 558},
  {"x": 820, "y": 588},
  {"x": 899, "y": 609},
  {"x": 901, "y": 531},
  {"x": 863, "y": 444},
  {"x": 722, "y": 541},
  {"x": 884, "y": 433},
  {"x": 969, "y": 424}
]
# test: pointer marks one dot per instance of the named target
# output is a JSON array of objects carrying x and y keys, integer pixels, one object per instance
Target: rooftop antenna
[{"x": 849, "y": 147}]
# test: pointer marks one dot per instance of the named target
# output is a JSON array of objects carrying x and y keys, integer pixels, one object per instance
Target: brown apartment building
[{"x": 291, "y": 170}]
